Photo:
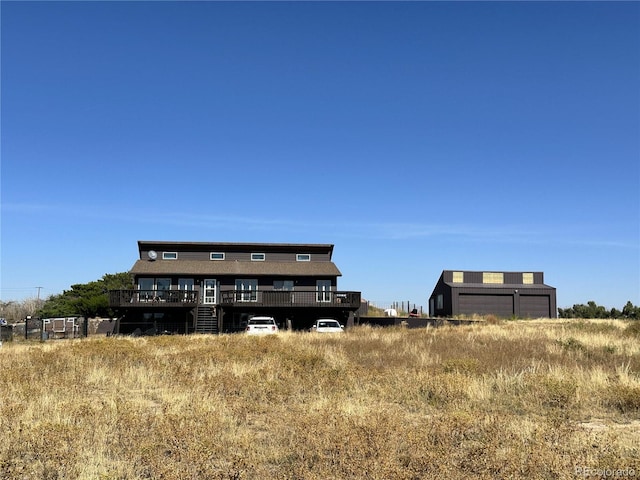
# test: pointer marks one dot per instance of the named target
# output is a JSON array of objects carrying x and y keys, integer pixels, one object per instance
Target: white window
[
  {"x": 169, "y": 255},
  {"x": 210, "y": 291},
  {"x": 187, "y": 285},
  {"x": 246, "y": 290},
  {"x": 216, "y": 256},
  {"x": 257, "y": 257},
  {"x": 323, "y": 290},
  {"x": 303, "y": 257}
]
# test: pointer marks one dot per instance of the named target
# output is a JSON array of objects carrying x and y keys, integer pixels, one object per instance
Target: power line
[
  {"x": 21, "y": 292},
  {"x": 21, "y": 289}
]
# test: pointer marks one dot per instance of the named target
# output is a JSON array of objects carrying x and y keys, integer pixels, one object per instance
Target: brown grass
[{"x": 523, "y": 399}]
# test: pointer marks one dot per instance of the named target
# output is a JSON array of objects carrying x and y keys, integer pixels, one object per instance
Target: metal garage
[
  {"x": 500, "y": 305},
  {"x": 535, "y": 306},
  {"x": 504, "y": 294}
]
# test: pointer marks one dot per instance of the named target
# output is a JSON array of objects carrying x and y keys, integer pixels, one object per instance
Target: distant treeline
[{"x": 592, "y": 310}]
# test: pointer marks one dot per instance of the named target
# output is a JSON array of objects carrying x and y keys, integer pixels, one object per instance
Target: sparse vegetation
[
  {"x": 519, "y": 399},
  {"x": 593, "y": 310}
]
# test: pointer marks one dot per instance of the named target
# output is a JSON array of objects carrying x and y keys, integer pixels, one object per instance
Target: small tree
[
  {"x": 615, "y": 313},
  {"x": 631, "y": 311},
  {"x": 88, "y": 299},
  {"x": 591, "y": 310}
]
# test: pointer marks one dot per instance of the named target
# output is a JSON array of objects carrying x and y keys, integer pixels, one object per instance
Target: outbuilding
[{"x": 504, "y": 294}]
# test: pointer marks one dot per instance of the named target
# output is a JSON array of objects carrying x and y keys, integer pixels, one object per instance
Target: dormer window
[
  {"x": 303, "y": 257},
  {"x": 258, "y": 257},
  {"x": 169, "y": 255},
  {"x": 216, "y": 256}
]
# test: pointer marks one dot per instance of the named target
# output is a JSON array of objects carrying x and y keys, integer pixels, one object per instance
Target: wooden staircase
[{"x": 206, "y": 321}]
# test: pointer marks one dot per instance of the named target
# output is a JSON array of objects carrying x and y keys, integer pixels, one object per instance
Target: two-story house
[{"x": 186, "y": 287}]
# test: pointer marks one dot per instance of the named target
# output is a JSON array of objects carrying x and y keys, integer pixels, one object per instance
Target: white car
[
  {"x": 261, "y": 326},
  {"x": 327, "y": 325}
]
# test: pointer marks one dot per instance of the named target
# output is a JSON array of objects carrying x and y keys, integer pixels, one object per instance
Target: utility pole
[{"x": 39, "y": 288}]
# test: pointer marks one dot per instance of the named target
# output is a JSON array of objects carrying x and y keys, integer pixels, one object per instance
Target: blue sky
[{"x": 415, "y": 136}]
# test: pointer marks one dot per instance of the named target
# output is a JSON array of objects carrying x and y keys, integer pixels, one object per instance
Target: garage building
[{"x": 504, "y": 294}]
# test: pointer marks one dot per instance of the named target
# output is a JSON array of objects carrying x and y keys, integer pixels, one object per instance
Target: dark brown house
[
  {"x": 186, "y": 287},
  {"x": 504, "y": 294}
]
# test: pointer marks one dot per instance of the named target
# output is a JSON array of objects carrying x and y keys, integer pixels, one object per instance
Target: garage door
[
  {"x": 534, "y": 306},
  {"x": 500, "y": 305}
]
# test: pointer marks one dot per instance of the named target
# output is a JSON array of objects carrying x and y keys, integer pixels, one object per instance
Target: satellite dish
[{"x": 152, "y": 255}]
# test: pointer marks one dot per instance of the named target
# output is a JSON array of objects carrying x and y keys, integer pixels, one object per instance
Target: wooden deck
[{"x": 234, "y": 298}]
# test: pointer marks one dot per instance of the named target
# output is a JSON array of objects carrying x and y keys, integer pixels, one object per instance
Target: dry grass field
[{"x": 522, "y": 399}]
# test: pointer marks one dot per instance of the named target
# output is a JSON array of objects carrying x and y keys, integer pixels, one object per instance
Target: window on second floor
[
  {"x": 153, "y": 289},
  {"x": 246, "y": 289},
  {"x": 187, "y": 285},
  {"x": 146, "y": 284},
  {"x": 258, "y": 257},
  {"x": 283, "y": 285},
  {"x": 303, "y": 257},
  {"x": 458, "y": 277},
  {"x": 216, "y": 256},
  {"x": 169, "y": 255},
  {"x": 493, "y": 277},
  {"x": 323, "y": 290}
]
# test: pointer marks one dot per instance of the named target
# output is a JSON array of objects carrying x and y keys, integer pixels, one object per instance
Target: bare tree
[{"x": 16, "y": 311}]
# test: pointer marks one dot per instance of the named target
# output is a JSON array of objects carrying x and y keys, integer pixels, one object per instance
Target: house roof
[
  {"x": 492, "y": 271},
  {"x": 506, "y": 286},
  {"x": 235, "y": 246},
  {"x": 236, "y": 268}
]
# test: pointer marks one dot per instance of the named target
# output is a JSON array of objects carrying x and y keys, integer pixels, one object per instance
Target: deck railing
[
  {"x": 169, "y": 298},
  {"x": 290, "y": 298},
  {"x": 268, "y": 298}
]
